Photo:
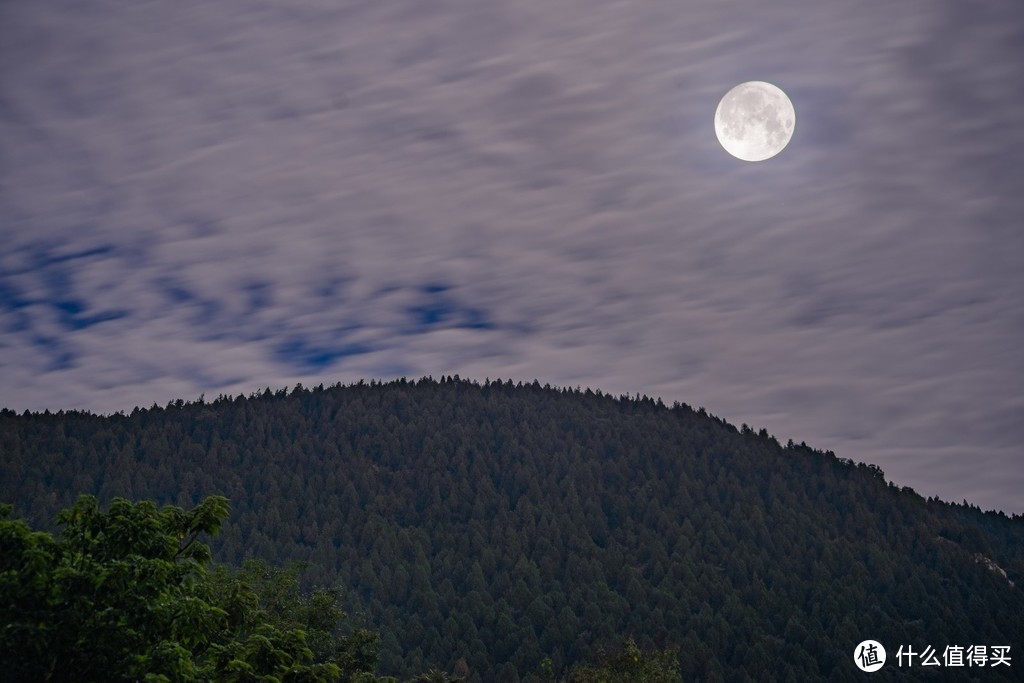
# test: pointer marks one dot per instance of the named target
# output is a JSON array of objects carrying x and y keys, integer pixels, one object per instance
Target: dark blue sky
[{"x": 215, "y": 197}]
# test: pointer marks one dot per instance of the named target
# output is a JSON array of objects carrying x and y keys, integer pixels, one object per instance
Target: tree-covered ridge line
[
  {"x": 639, "y": 401},
  {"x": 483, "y": 529}
]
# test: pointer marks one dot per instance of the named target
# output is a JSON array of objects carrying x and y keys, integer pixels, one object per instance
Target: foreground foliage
[{"x": 126, "y": 595}]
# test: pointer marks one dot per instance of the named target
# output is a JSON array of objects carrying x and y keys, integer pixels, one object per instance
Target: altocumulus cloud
[{"x": 216, "y": 198}]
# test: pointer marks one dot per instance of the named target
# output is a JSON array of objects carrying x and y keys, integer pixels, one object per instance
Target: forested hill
[{"x": 482, "y": 528}]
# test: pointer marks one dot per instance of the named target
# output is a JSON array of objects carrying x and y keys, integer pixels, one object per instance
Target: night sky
[{"x": 206, "y": 198}]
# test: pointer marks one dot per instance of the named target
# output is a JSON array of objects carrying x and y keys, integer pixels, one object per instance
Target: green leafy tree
[
  {"x": 318, "y": 614},
  {"x": 125, "y": 595}
]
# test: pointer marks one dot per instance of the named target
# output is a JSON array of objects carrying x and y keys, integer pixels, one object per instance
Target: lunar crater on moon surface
[{"x": 755, "y": 121}]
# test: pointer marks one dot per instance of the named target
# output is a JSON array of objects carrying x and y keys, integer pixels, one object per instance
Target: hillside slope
[{"x": 482, "y": 528}]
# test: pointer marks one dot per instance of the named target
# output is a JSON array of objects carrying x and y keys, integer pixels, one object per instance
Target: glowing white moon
[{"x": 754, "y": 121}]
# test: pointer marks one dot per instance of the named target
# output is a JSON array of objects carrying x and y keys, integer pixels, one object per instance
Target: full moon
[{"x": 754, "y": 121}]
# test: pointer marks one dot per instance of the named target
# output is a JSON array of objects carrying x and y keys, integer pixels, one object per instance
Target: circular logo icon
[{"x": 869, "y": 655}]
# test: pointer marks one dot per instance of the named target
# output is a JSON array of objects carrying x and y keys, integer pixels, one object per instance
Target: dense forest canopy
[{"x": 502, "y": 532}]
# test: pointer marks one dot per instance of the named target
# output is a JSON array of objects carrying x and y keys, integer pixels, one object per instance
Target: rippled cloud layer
[{"x": 212, "y": 198}]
